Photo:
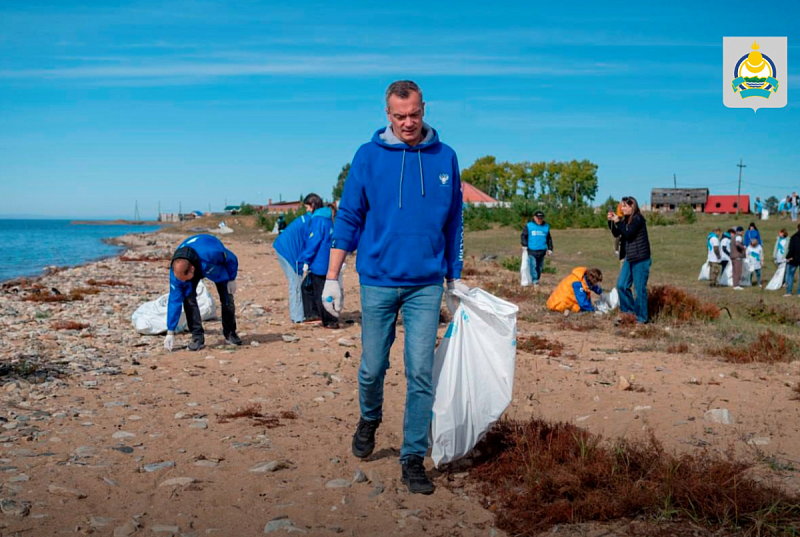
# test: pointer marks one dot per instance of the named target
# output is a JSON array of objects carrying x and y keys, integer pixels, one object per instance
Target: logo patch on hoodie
[{"x": 444, "y": 178}]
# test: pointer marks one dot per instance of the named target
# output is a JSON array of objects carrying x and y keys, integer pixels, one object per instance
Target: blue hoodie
[
  {"x": 407, "y": 202},
  {"x": 210, "y": 259},
  {"x": 290, "y": 243},
  {"x": 317, "y": 249}
]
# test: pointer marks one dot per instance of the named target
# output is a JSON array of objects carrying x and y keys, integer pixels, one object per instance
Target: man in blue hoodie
[
  {"x": 198, "y": 257},
  {"x": 404, "y": 194}
]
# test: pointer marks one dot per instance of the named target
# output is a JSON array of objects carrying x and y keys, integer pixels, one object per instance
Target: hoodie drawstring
[
  {"x": 421, "y": 177},
  {"x": 402, "y": 168}
]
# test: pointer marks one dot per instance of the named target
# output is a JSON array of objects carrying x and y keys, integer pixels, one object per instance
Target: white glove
[
  {"x": 549, "y": 253},
  {"x": 169, "y": 341},
  {"x": 451, "y": 300},
  {"x": 232, "y": 287},
  {"x": 305, "y": 270},
  {"x": 332, "y": 297}
]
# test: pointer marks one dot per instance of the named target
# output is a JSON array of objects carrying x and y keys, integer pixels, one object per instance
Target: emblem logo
[
  {"x": 444, "y": 179},
  {"x": 757, "y": 78}
]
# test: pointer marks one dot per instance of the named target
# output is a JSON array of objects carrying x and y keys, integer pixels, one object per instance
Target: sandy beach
[{"x": 105, "y": 433}]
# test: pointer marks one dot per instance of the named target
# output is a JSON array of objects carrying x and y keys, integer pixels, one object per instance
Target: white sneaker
[
  {"x": 737, "y": 288},
  {"x": 787, "y": 294}
]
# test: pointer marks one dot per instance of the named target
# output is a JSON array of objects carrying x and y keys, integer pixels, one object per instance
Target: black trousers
[
  {"x": 193, "y": 319},
  {"x": 312, "y": 300}
]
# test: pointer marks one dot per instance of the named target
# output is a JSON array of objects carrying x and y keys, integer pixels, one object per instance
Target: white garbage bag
[
  {"x": 777, "y": 280},
  {"x": 765, "y": 214},
  {"x": 473, "y": 374},
  {"x": 726, "y": 277},
  {"x": 607, "y": 301},
  {"x": 151, "y": 317},
  {"x": 525, "y": 269},
  {"x": 705, "y": 272}
]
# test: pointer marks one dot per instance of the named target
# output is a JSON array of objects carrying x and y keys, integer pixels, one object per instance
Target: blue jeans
[
  {"x": 379, "y": 309},
  {"x": 634, "y": 274},
  {"x": 536, "y": 263},
  {"x": 790, "y": 270},
  {"x": 296, "y": 312}
]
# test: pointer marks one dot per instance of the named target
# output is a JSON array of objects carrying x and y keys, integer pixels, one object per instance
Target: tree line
[{"x": 554, "y": 184}]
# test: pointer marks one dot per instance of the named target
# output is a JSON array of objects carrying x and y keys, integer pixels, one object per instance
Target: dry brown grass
[
  {"x": 107, "y": 283},
  {"x": 769, "y": 347},
  {"x": 670, "y": 303},
  {"x": 142, "y": 258},
  {"x": 536, "y": 475},
  {"x": 253, "y": 412},
  {"x": 68, "y": 325},
  {"x": 679, "y": 347},
  {"x": 540, "y": 345}
]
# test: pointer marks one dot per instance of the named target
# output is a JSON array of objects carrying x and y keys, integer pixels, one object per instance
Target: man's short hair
[
  {"x": 594, "y": 275},
  {"x": 181, "y": 266},
  {"x": 403, "y": 89}
]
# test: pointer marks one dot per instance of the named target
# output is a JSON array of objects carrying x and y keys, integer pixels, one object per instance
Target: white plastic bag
[
  {"x": 473, "y": 374},
  {"x": 705, "y": 272},
  {"x": 777, "y": 280},
  {"x": 151, "y": 317},
  {"x": 726, "y": 275},
  {"x": 525, "y": 269},
  {"x": 607, "y": 301},
  {"x": 765, "y": 214}
]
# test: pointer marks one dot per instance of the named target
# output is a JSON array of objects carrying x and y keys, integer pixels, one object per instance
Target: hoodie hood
[
  {"x": 324, "y": 212},
  {"x": 387, "y": 139}
]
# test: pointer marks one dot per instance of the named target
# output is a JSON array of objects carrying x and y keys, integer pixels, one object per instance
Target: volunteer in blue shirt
[
  {"x": 289, "y": 245},
  {"x": 536, "y": 238},
  {"x": 198, "y": 257},
  {"x": 315, "y": 257},
  {"x": 404, "y": 194}
]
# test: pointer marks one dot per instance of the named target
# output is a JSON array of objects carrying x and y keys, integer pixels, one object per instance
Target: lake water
[{"x": 28, "y": 246}]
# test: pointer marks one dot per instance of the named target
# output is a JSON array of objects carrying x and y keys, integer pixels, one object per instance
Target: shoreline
[
  {"x": 48, "y": 270},
  {"x": 117, "y": 223}
]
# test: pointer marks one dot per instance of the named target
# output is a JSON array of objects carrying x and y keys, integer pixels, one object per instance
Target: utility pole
[
  {"x": 674, "y": 180},
  {"x": 739, "y": 191},
  {"x": 159, "y": 211},
  {"x": 136, "y": 216}
]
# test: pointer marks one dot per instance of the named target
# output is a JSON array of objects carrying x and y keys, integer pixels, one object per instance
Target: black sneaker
[
  {"x": 197, "y": 343},
  {"x": 233, "y": 339},
  {"x": 414, "y": 476},
  {"x": 364, "y": 439}
]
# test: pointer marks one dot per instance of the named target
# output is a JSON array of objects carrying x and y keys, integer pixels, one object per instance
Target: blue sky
[{"x": 193, "y": 103}]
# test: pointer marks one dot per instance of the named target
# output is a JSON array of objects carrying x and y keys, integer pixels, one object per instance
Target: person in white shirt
[
  {"x": 714, "y": 256},
  {"x": 755, "y": 253},
  {"x": 781, "y": 246},
  {"x": 725, "y": 250}
]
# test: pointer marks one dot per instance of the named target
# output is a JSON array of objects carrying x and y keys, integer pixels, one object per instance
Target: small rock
[
  {"x": 125, "y": 530},
  {"x": 100, "y": 521},
  {"x": 178, "y": 482},
  {"x": 345, "y": 342},
  {"x": 582, "y": 418},
  {"x": 63, "y": 491},
  {"x": 122, "y": 434},
  {"x": 759, "y": 441},
  {"x": 719, "y": 415},
  {"x": 14, "y": 508},
  {"x": 199, "y": 424},
  {"x": 360, "y": 477},
  {"x": 271, "y": 466},
  {"x": 19, "y": 478},
  {"x": 623, "y": 384},
  {"x": 181, "y": 415},
  {"x": 642, "y": 408},
  {"x": 289, "y": 338},
  {"x": 254, "y": 343},
  {"x": 337, "y": 484},
  {"x": 165, "y": 529},
  {"x": 158, "y": 466},
  {"x": 207, "y": 463},
  {"x": 277, "y": 525}
]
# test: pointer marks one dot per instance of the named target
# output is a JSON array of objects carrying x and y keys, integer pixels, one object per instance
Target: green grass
[{"x": 678, "y": 252}]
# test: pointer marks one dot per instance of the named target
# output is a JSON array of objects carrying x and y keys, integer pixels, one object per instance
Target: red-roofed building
[
  {"x": 475, "y": 196},
  {"x": 727, "y": 204}
]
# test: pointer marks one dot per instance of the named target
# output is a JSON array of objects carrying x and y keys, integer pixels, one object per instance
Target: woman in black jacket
[{"x": 631, "y": 228}]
